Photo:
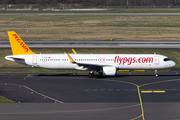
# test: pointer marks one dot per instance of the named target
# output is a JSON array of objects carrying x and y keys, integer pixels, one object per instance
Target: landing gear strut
[
  {"x": 91, "y": 74},
  {"x": 156, "y": 73}
]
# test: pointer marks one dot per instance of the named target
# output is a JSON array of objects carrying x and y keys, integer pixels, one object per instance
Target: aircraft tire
[{"x": 91, "y": 74}]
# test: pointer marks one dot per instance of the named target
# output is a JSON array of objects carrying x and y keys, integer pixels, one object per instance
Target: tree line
[{"x": 95, "y": 2}]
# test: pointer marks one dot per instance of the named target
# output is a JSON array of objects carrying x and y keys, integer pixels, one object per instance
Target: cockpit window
[{"x": 166, "y": 59}]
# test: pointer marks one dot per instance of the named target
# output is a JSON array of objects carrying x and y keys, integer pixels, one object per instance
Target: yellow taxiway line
[
  {"x": 146, "y": 91},
  {"x": 27, "y": 76},
  {"x": 163, "y": 91},
  {"x": 155, "y": 91}
]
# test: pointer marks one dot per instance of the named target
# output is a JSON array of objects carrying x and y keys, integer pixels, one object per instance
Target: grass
[
  {"x": 5, "y": 100},
  {"x": 92, "y": 28}
]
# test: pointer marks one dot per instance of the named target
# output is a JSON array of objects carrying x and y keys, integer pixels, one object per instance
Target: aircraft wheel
[
  {"x": 156, "y": 73},
  {"x": 91, "y": 74}
]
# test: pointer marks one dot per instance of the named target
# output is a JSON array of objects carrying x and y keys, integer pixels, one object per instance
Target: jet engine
[{"x": 108, "y": 71}]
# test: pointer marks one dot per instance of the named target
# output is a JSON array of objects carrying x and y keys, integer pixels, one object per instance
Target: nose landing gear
[
  {"x": 91, "y": 74},
  {"x": 156, "y": 73}
]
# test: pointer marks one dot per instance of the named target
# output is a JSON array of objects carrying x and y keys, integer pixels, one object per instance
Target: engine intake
[{"x": 109, "y": 71}]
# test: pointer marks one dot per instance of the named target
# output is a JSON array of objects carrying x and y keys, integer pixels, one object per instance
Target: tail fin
[{"x": 17, "y": 45}]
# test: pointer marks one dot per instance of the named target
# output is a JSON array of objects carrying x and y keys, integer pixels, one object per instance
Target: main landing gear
[
  {"x": 156, "y": 73},
  {"x": 91, "y": 74}
]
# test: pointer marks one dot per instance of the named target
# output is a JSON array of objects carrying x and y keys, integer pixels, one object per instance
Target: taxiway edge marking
[
  {"x": 42, "y": 94},
  {"x": 37, "y": 93}
]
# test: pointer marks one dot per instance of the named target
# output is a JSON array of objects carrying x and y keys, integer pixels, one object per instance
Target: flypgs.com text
[{"x": 130, "y": 60}]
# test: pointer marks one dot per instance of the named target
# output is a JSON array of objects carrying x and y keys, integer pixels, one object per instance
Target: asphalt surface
[
  {"x": 77, "y": 97},
  {"x": 91, "y": 44},
  {"x": 89, "y": 13}
]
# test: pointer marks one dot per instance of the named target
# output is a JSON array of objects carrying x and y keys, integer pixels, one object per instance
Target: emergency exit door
[{"x": 34, "y": 60}]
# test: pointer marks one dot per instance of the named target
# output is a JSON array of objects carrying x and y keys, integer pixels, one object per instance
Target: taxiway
[{"x": 68, "y": 96}]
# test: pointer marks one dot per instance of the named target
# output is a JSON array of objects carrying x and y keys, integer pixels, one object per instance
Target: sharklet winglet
[
  {"x": 70, "y": 58},
  {"x": 74, "y": 51}
]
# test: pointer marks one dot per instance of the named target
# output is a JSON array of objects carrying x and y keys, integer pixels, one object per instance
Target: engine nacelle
[{"x": 108, "y": 71}]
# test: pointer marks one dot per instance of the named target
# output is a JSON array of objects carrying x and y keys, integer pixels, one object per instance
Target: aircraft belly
[
  {"x": 66, "y": 66},
  {"x": 137, "y": 66},
  {"x": 130, "y": 67}
]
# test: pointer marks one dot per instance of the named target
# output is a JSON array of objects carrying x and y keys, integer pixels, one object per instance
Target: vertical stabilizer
[{"x": 18, "y": 47}]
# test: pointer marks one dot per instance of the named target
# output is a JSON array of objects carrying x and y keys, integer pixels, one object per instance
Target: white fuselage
[{"x": 120, "y": 61}]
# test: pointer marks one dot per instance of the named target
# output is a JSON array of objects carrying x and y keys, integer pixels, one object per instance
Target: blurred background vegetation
[{"x": 95, "y": 2}]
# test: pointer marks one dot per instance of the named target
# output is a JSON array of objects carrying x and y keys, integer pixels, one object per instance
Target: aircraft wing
[{"x": 86, "y": 66}]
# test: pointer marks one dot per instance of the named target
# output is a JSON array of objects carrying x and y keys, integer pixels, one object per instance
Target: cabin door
[
  {"x": 156, "y": 60},
  {"x": 34, "y": 60}
]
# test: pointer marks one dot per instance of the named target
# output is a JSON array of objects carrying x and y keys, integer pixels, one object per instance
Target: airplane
[{"x": 104, "y": 64}]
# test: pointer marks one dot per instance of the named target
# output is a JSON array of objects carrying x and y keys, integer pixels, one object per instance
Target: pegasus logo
[{"x": 21, "y": 43}]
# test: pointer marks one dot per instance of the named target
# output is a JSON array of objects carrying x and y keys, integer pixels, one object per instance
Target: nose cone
[
  {"x": 173, "y": 64},
  {"x": 170, "y": 64}
]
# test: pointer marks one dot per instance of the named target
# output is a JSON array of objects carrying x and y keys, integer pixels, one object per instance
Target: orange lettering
[
  {"x": 21, "y": 43},
  {"x": 143, "y": 60},
  {"x": 23, "y": 46},
  {"x": 134, "y": 59},
  {"x": 18, "y": 40},
  {"x": 149, "y": 60},
  {"x": 15, "y": 36},
  {"x": 124, "y": 60},
  {"x": 27, "y": 49},
  {"x": 139, "y": 60},
  {"x": 129, "y": 61}
]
